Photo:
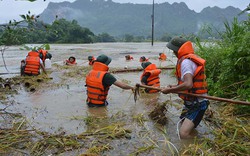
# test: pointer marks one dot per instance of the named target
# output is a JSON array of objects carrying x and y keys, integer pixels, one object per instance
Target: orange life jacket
[
  {"x": 32, "y": 63},
  {"x": 43, "y": 52},
  {"x": 153, "y": 79},
  {"x": 91, "y": 62},
  {"x": 72, "y": 63},
  {"x": 199, "y": 78},
  {"x": 163, "y": 57},
  {"x": 96, "y": 92}
]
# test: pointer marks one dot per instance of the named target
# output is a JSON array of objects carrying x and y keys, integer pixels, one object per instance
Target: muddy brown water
[{"x": 59, "y": 108}]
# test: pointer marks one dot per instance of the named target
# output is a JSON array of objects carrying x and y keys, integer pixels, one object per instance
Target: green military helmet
[
  {"x": 104, "y": 59},
  {"x": 90, "y": 57},
  {"x": 145, "y": 64},
  {"x": 176, "y": 42}
]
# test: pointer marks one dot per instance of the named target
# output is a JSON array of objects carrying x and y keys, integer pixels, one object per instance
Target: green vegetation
[
  {"x": 228, "y": 61},
  {"x": 119, "y": 19},
  {"x": 104, "y": 37},
  {"x": 61, "y": 31},
  {"x": 227, "y": 66},
  {"x": 115, "y": 22},
  {"x": 34, "y": 142}
]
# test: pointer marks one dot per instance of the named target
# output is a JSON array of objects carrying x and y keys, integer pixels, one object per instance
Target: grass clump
[{"x": 227, "y": 75}]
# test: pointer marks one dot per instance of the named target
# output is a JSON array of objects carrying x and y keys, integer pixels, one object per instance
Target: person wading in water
[{"x": 191, "y": 79}]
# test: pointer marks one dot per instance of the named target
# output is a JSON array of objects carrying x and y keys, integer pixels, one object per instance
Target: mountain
[{"x": 118, "y": 19}]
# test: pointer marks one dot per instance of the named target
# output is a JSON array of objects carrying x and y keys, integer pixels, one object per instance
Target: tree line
[{"x": 61, "y": 31}]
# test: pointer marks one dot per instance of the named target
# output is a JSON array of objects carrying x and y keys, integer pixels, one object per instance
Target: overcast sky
[{"x": 11, "y": 9}]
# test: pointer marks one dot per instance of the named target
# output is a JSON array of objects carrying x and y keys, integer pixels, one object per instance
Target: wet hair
[
  {"x": 127, "y": 57},
  {"x": 143, "y": 58},
  {"x": 72, "y": 58}
]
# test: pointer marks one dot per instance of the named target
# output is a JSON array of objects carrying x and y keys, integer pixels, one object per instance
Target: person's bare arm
[
  {"x": 43, "y": 68},
  {"x": 187, "y": 84},
  {"x": 123, "y": 85}
]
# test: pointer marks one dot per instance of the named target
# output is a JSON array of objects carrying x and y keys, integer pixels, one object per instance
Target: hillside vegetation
[{"x": 118, "y": 19}]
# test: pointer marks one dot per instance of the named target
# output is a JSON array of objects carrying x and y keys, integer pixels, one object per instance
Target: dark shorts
[
  {"x": 22, "y": 67},
  {"x": 29, "y": 74},
  {"x": 194, "y": 111},
  {"x": 97, "y": 105}
]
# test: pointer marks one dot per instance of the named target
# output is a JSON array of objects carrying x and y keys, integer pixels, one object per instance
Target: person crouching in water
[
  {"x": 71, "y": 61},
  {"x": 32, "y": 64},
  {"x": 91, "y": 60},
  {"x": 150, "y": 76},
  {"x": 44, "y": 54},
  {"x": 98, "y": 82}
]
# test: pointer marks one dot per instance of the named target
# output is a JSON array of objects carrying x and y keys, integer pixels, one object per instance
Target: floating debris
[{"x": 159, "y": 114}]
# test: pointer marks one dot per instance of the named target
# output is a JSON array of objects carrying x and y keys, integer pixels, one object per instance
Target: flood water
[{"x": 59, "y": 105}]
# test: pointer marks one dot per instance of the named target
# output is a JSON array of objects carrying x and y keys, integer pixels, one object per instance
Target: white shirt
[
  {"x": 41, "y": 61},
  {"x": 187, "y": 67}
]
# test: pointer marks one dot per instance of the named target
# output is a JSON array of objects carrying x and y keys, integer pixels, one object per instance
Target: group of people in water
[
  {"x": 34, "y": 61},
  {"x": 162, "y": 57},
  {"x": 72, "y": 60},
  {"x": 189, "y": 73},
  {"x": 31, "y": 66}
]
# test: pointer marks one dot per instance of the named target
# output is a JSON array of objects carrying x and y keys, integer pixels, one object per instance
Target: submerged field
[{"x": 48, "y": 115}]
